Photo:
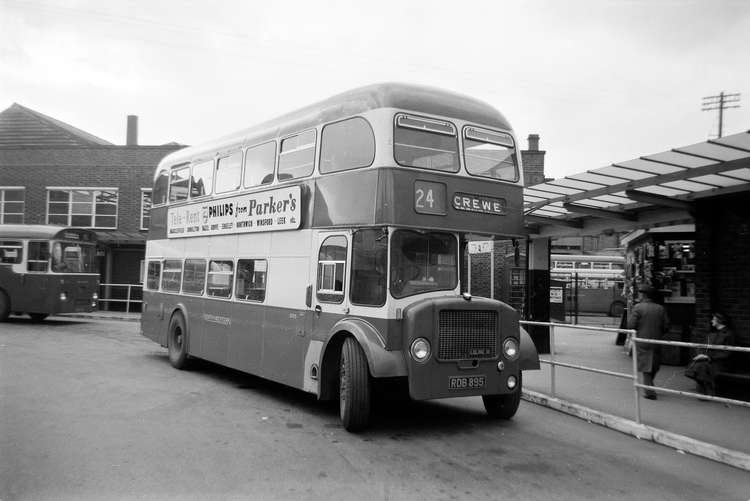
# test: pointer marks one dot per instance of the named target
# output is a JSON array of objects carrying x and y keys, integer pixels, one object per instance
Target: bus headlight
[
  {"x": 63, "y": 296},
  {"x": 512, "y": 382},
  {"x": 420, "y": 349},
  {"x": 510, "y": 348}
]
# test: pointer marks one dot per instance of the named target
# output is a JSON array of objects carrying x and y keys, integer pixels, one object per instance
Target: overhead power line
[{"x": 721, "y": 102}]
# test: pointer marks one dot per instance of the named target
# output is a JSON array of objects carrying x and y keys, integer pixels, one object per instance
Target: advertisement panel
[{"x": 273, "y": 210}]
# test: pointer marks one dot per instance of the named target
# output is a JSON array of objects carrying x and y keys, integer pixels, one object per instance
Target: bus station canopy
[{"x": 646, "y": 192}]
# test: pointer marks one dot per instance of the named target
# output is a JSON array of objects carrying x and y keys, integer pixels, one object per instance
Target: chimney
[
  {"x": 132, "y": 134},
  {"x": 533, "y": 142}
]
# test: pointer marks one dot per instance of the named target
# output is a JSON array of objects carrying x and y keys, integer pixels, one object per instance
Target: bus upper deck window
[
  {"x": 228, "y": 172},
  {"x": 161, "y": 186},
  {"x": 179, "y": 182},
  {"x": 297, "y": 157},
  {"x": 201, "y": 181},
  {"x": 259, "y": 164},
  {"x": 425, "y": 143},
  {"x": 345, "y": 145},
  {"x": 490, "y": 154}
]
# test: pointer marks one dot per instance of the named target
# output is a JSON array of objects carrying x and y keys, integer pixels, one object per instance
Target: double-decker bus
[
  {"x": 594, "y": 283},
  {"x": 324, "y": 250},
  {"x": 47, "y": 269}
]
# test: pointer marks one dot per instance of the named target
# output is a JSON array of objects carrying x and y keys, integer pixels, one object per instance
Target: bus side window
[
  {"x": 369, "y": 267},
  {"x": 171, "y": 277},
  {"x": 11, "y": 252},
  {"x": 297, "y": 157},
  {"x": 179, "y": 182},
  {"x": 251, "y": 279},
  {"x": 228, "y": 172},
  {"x": 259, "y": 164},
  {"x": 38, "y": 256},
  {"x": 202, "y": 178},
  {"x": 349, "y": 144},
  {"x": 194, "y": 276},
  {"x": 220, "y": 278},
  {"x": 153, "y": 274},
  {"x": 161, "y": 187},
  {"x": 331, "y": 266}
]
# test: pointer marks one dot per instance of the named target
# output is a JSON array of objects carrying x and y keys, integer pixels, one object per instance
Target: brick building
[{"x": 54, "y": 173}]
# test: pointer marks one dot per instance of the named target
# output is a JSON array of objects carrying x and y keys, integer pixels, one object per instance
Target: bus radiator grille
[{"x": 467, "y": 335}]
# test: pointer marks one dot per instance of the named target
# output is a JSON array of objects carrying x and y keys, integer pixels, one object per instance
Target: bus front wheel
[
  {"x": 354, "y": 390},
  {"x": 503, "y": 406},
  {"x": 177, "y": 342},
  {"x": 4, "y": 306}
]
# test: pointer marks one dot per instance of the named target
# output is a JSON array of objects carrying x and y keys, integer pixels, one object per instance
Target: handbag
[{"x": 691, "y": 371}]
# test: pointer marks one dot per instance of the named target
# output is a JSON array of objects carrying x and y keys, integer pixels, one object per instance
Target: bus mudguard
[
  {"x": 382, "y": 363},
  {"x": 529, "y": 359}
]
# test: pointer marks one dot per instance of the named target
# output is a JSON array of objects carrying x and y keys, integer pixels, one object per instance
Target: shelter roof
[{"x": 649, "y": 191}]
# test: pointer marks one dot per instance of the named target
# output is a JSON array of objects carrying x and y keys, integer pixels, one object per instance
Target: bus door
[
  {"x": 35, "y": 287},
  {"x": 329, "y": 298}
]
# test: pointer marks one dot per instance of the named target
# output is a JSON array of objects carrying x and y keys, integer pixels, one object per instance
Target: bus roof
[
  {"x": 44, "y": 231},
  {"x": 417, "y": 98}
]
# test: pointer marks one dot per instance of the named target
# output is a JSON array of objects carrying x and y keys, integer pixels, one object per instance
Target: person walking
[{"x": 650, "y": 321}]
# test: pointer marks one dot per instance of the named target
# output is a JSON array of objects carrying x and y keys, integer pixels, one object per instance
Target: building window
[
  {"x": 11, "y": 205},
  {"x": 86, "y": 208},
  {"x": 146, "y": 199}
]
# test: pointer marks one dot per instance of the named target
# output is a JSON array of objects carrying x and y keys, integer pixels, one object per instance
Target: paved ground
[{"x": 89, "y": 409}]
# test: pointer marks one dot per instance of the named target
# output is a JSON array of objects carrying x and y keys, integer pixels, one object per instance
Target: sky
[{"x": 599, "y": 81}]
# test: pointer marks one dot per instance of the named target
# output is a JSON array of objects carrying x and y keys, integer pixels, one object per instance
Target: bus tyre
[
  {"x": 616, "y": 309},
  {"x": 4, "y": 306},
  {"x": 38, "y": 317},
  {"x": 354, "y": 390},
  {"x": 503, "y": 406},
  {"x": 177, "y": 342}
]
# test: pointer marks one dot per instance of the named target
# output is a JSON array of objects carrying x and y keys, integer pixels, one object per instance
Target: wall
[{"x": 723, "y": 263}]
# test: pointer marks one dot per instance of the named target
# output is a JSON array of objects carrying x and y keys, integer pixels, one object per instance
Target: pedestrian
[
  {"x": 650, "y": 321},
  {"x": 707, "y": 362}
]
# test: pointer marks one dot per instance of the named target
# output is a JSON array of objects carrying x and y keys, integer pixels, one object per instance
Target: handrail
[
  {"x": 634, "y": 375},
  {"x": 128, "y": 300}
]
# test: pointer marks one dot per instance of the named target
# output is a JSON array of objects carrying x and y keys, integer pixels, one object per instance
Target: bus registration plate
[{"x": 466, "y": 382}]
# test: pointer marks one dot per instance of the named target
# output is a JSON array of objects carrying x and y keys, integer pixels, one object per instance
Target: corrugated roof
[
  {"x": 21, "y": 126},
  {"x": 648, "y": 191}
]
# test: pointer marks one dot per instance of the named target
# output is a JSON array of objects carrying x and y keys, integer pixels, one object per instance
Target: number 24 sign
[{"x": 429, "y": 198}]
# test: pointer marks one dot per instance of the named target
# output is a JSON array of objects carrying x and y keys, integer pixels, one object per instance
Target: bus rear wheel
[
  {"x": 616, "y": 309},
  {"x": 4, "y": 306},
  {"x": 177, "y": 342},
  {"x": 354, "y": 389},
  {"x": 503, "y": 406}
]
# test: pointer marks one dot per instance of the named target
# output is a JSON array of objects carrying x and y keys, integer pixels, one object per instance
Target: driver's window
[{"x": 331, "y": 270}]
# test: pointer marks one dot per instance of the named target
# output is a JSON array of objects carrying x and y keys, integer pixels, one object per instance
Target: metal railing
[
  {"x": 129, "y": 294},
  {"x": 634, "y": 375}
]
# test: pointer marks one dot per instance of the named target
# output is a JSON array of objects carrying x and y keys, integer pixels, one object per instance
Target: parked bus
[
  {"x": 594, "y": 283},
  {"x": 46, "y": 269},
  {"x": 324, "y": 250}
]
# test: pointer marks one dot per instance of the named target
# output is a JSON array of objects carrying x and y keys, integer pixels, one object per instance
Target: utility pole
[{"x": 721, "y": 102}]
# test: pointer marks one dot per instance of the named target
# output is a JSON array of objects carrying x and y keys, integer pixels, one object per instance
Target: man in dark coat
[{"x": 650, "y": 321}]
